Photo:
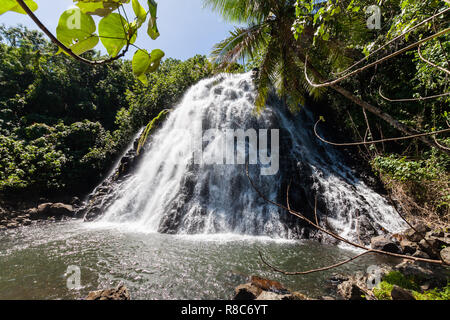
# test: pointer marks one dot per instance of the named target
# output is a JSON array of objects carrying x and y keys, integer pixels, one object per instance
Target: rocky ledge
[{"x": 119, "y": 293}]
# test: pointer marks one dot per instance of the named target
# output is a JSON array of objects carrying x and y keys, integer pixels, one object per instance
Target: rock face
[
  {"x": 263, "y": 289},
  {"x": 120, "y": 293}
]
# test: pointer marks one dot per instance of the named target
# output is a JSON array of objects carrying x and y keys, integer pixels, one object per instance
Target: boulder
[
  {"x": 422, "y": 273},
  {"x": 412, "y": 235},
  {"x": 350, "y": 290},
  {"x": 445, "y": 255},
  {"x": 2, "y": 228},
  {"x": 43, "y": 209},
  {"x": 120, "y": 293},
  {"x": 420, "y": 254},
  {"x": 268, "y": 285},
  {"x": 246, "y": 292},
  {"x": 384, "y": 243},
  {"x": 399, "y": 293},
  {"x": 61, "y": 210}
]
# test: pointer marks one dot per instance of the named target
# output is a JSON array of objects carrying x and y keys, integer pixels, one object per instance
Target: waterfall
[{"x": 184, "y": 184}]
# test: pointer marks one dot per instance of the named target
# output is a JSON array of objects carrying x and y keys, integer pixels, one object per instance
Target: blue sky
[{"x": 186, "y": 27}]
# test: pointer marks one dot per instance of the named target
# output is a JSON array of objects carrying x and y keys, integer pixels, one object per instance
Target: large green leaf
[
  {"x": 140, "y": 13},
  {"x": 113, "y": 33},
  {"x": 76, "y": 30},
  {"x": 12, "y": 5},
  {"x": 152, "y": 30},
  {"x": 141, "y": 63},
  {"x": 155, "y": 59}
]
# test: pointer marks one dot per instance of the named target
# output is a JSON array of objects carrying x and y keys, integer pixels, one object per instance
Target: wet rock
[
  {"x": 384, "y": 243},
  {"x": 412, "y": 235},
  {"x": 43, "y": 209},
  {"x": 3, "y": 228},
  {"x": 120, "y": 293},
  {"x": 246, "y": 292},
  {"x": 399, "y": 293},
  {"x": 26, "y": 222},
  {"x": 445, "y": 255}
]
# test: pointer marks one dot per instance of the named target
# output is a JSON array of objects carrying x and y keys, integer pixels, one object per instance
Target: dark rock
[
  {"x": 399, "y": 293},
  {"x": 26, "y": 222},
  {"x": 43, "y": 209},
  {"x": 408, "y": 247},
  {"x": 3, "y": 228},
  {"x": 384, "y": 243},
  {"x": 246, "y": 292},
  {"x": 431, "y": 247},
  {"x": 120, "y": 293}
]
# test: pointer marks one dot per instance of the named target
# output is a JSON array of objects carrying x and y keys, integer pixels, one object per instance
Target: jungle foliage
[{"x": 64, "y": 123}]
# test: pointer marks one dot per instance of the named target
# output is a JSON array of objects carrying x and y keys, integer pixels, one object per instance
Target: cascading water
[{"x": 171, "y": 192}]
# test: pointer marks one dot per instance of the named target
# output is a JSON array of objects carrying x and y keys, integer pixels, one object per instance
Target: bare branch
[
  {"x": 413, "y": 99},
  {"x": 390, "y": 56},
  {"x": 393, "y": 40},
  {"x": 334, "y": 235},
  {"x": 376, "y": 141},
  {"x": 296, "y": 273}
]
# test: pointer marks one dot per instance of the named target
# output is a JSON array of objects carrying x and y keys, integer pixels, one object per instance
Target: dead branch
[
  {"x": 377, "y": 141},
  {"x": 379, "y": 61},
  {"x": 296, "y": 273}
]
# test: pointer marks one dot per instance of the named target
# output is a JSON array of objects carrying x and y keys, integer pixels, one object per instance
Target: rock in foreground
[{"x": 120, "y": 293}]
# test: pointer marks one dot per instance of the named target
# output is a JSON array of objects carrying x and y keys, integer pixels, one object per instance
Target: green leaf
[
  {"x": 76, "y": 31},
  {"x": 141, "y": 62},
  {"x": 12, "y": 5},
  {"x": 155, "y": 59},
  {"x": 140, "y": 13},
  {"x": 112, "y": 33},
  {"x": 152, "y": 30}
]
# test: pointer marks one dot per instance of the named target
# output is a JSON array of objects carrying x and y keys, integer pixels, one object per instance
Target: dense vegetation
[{"x": 64, "y": 123}]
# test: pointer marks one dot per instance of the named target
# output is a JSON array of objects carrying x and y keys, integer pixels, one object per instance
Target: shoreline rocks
[
  {"x": 263, "y": 289},
  {"x": 45, "y": 212}
]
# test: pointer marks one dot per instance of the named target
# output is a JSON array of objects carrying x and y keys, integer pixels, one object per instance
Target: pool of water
[{"x": 34, "y": 262}]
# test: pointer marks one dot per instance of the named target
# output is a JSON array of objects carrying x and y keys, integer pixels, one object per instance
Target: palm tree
[{"x": 268, "y": 35}]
